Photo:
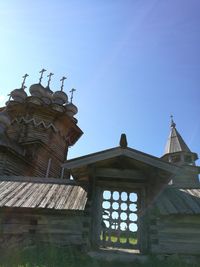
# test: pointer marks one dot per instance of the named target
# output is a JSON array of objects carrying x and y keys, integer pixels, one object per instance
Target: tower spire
[{"x": 176, "y": 150}]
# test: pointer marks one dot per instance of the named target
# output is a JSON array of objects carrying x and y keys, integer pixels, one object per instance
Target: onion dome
[
  {"x": 71, "y": 109},
  {"x": 48, "y": 91},
  {"x": 18, "y": 95},
  {"x": 4, "y": 121},
  {"x": 35, "y": 100},
  {"x": 37, "y": 90},
  {"x": 58, "y": 108},
  {"x": 47, "y": 95},
  {"x": 60, "y": 98}
]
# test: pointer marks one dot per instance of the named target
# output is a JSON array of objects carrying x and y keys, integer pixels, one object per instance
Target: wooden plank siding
[
  {"x": 12, "y": 164},
  {"x": 37, "y": 134}
]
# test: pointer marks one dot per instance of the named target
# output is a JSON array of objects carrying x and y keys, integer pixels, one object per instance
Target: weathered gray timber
[
  {"x": 42, "y": 210},
  {"x": 39, "y": 193},
  {"x": 27, "y": 227},
  {"x": 174, "y": 224},
  {"x": 37, "y": 134},
  {"x": 124, "y": 170},
  {"x": 120, "y": 198},
  {"x": 176, "y": 234},
  {"x": 178, "y": 201}
]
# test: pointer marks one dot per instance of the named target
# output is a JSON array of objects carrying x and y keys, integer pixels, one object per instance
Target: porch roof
[{"x": 134, "y": 157}]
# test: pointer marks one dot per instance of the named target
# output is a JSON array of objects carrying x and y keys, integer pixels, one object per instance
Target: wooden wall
[
  {"x": 26, "y": 228},
  {"x": 175, "y": 234},
  {"x": 41, "y": 133},
  {"x": 13, "y": 164}
]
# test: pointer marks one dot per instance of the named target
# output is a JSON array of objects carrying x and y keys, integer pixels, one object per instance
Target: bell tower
[
  {"x": 37, "y": 130},
  {"x": 177, "y": 152}
]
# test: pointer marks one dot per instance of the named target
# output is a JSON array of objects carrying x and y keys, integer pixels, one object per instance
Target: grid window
[{"x": 119, "y": 219}]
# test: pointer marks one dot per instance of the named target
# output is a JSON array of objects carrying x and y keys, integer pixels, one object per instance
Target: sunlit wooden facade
[{"x": 119, "y": 198}]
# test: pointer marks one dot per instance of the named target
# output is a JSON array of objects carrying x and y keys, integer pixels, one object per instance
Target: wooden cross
[
  {"x": 49, "y": 80},
  {"x": 41, "y": 76},
  {"x": 24, "y": 79},
  {"x": 72, "y": 94},
  {"x": 62, "y": 84},
  {"x": 173, "y": 124}
]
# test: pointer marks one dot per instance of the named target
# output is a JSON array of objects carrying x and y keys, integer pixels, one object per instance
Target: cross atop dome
[
  {"x": 173, "y": 124},
  {"x": 72, "y": 94},
  {"x": 62, "y": 83},
  {"x": 49, "y": 80},
  {"x": 24, "y": 79},
  {"x": 41, "y": 76}
]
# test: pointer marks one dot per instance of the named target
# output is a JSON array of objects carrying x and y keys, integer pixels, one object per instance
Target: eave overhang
[{"x": 80, "y": 166}]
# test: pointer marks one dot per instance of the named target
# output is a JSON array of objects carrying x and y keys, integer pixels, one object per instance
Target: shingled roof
[
  {"x": 178, "y": 201},
  {"x": 175, "y": 142},
  {"x": 24, "y": 192}
]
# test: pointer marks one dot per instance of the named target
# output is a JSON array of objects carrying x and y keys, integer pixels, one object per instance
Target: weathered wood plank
[
  {"x": 70, "y": 229},
  {"x": 54, "y": 201},
  {"x": 178, "y": 202},
  {"x": 179, "y": 237},
  {"x": 23, "y": 201},
  {"x": 116, "y": 173},
  {"x": 19, "y": 195},
  {"x": 189, "y": 201},
  {"x": 180, "y": 219},
  {"x": 10, "y": 192},
  {"x": 186, "y": 248},
  {"x": 179, "y": 229},
  {"x": 169, "y": 205}
]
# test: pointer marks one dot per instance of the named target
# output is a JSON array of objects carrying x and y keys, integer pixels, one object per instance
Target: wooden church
[{"x": 119, "y": 198}]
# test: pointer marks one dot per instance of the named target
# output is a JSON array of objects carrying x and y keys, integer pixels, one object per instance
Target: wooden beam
[{"x": 116, "y": 173}]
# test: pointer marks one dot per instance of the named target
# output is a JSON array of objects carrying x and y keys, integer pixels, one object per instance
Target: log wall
[
  {"x": 26, "y": 229},
  {"x": 177, "y": 234}
]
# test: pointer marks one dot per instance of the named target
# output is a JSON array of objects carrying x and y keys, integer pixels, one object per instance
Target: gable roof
[{"x": 124, "y": 152}]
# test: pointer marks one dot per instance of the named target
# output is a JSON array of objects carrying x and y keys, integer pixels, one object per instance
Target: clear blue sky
[{"x": 133, "y": 64}]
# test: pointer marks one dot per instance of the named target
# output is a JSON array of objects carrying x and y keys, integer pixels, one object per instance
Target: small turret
[{"x": 176, "y": 150}]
